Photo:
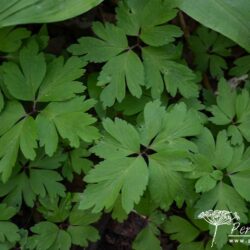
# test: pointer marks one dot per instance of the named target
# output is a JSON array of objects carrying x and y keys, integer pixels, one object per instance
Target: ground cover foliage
[{"x": 120, "y": 126}]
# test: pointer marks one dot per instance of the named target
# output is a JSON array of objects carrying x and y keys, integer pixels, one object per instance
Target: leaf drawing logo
[{"x": 218, "y": 218}]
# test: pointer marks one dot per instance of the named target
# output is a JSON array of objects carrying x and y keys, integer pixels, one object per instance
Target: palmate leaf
[
  {"x": 147, "y": 240},
  {"x": 110, "y": 42},
  {"x": 11, "y": 39},
  {"x": 148, "y": 237},
  {"x": 210, "y": 49},
  {"x": 128, "y": 175},
  {"x": 165, "y": 174},
  {"x": 67, "y": 119},
  {"x": 213, "y": 157},
  {"x": 123, "y": 65},
  {"x": 55, "y": 210},
  {"x": 23, "y": 83},
  {"x": 77, "y": 162},
  {"x": 218, "y": 157},
  {"x": 147, "y": 19},
  {"x": 161, "y": 70},
  {"x": 30, "y": 180},
  {"x": 238, "y": 171},
  {"x": 242, "y": 66},
  {"x": 80, "y": 228},
  {"x": 187, "y": 232},
  {"x": 37, "y": 11},
  {"x": 223, "y": 197},
  {"x": 37, "y": 81},
  {"x": 9, "y": 232},
  {"x": 122, "y": 68},
  {"x": 47, "y": 235},
  {"x": 18, "y": 131},
  {"x": 181, "y": 229},
  {"x": 126, "y": 172},
  {"x": 232, "y": 106}
]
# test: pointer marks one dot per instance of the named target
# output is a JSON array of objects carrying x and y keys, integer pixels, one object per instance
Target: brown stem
[
  {"x": 206, "y": 82},
  {"x": 184, "y": 26}
]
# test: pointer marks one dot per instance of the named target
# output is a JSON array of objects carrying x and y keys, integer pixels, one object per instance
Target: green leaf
[
  {"x": 153, "y": 121},
  {"x": 12, "y": 113},
  {"x": 124, "y": 70},
  {"x": 48, "y": 236},
  {"x": 160, "y": 35},
  {"x": 53, "y": 82},
  {"x": 226, "y": 98},
  {"x": 121, "y": 145},
  {"x": 161, "y": 71},
  {"x": 204, "y": 184},
  {"x": 132, "y": 105},
  {"x": 33, "y": 11},
  {"x": 210, "y": 48},
  {"x": 159, "y": 143},
  {"x": 11, "y": 39},
  {"x": 80, "y": 230},
  {"x": 8, "y": 232},
  {"x": 179, "y": 122},
  {"x": 23, "y": 82},
  {"x": 126, "y": 175},
  {"x": 222, "y": 197},
  {"x": 147, "y": 15},
  {"x": 46, "y": 182},
  {"x": 232, "y": 109},
  {"x": 239, "y": 171},
  {"x": 214, "y": 156},
  {"x": 77, "y": 162},
  {"x": 146, "y": 240},
  {"x": 67, "y": 119},
  {"x": 22, "y": 135},
  {"x": 111, "y": 41},
  {"x": 6, "y": 212},
  {"x": 166, "y": 184},
  {"x": 229, "y": 18},
  {"x": 180, "y": 229},
  {"x": 55, "y": 210},
  {"x": 59, "y": 83},
  {"x": 38, "y": 179},
  {"x": 242, "y": 66},
  {"x": 192, "y": 246}
]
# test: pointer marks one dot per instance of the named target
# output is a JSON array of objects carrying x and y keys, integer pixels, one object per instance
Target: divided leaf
[
  {"x": 210, "y": 48},
  {"x": 11, "y": 39},
  {"x": 35, "y": 80},
  {"x": 18, "y": 132},
  {"x": 123, "y": 70},
  {"x": 30, "y": 180},
  {"x": 232, "y": 109},
  {"x": 149, "y": 156},
  {"x": 161, "y": 71},
  {"x": 67, "y": 119}
]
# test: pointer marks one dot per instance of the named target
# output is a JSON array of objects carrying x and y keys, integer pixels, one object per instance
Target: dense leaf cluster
[{"x": 148, "y": 131}]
